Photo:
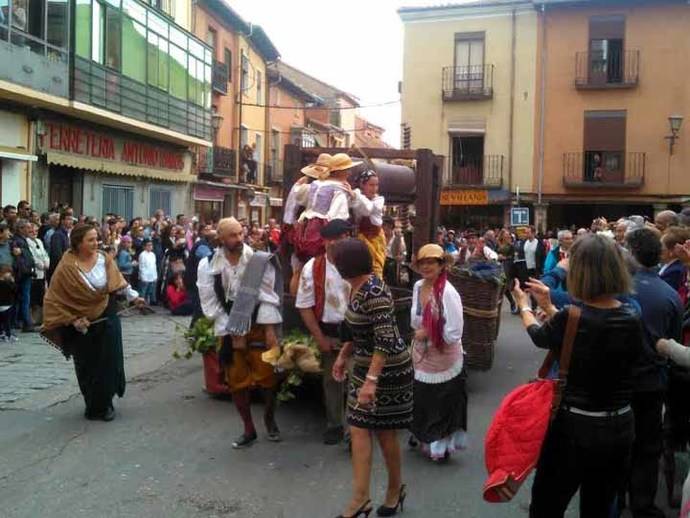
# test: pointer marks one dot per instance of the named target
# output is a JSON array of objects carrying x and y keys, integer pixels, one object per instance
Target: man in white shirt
[
  {"x": 322, "y": 299},
  {"x": 148, "y": 273},
  {"x": 219, "y": 279}
]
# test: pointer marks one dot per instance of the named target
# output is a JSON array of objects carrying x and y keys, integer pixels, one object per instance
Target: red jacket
[{"x": 514, "y": 439}]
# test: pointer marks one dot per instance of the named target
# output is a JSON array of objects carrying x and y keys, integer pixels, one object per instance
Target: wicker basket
[{"x": 481, "y": 302}]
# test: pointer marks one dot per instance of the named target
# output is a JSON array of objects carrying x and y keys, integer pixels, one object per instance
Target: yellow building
[
  {"x": 468, "y": 93},
  {"x": 256, "y": 51}
]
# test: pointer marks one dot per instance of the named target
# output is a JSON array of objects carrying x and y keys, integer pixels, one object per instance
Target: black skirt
[
  {"x": 99, "y": 360},
  {"x": 440, "y": 409}
]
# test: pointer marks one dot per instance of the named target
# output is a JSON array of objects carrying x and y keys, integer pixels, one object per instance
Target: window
[
  {"x": 98, "y": 32},
  {"x": 259, "y": 89},
  {"x": 335, "y": 118},
  {"x": 469, "y": 61},
  {"x": 228, "y": 62},
  {"x": 211, "y": 38},
  {"x": 244, "y": 136},
  {"x": 244, "y": 81},
  {"x": 467, "y": 159},
  {"x": 604, "y": 146},
  {"x": 158, "y": 52},
  {"x": 258, "y": 154},
  {"x": 160, "y": 199},
  {"x": 118, "y": 200},
  {"x": 113, "y": 41},
  {"x": 606, "y": 35},
  {"x": 133, "y": 49},
  {"x": 57, "y": 23},
  {"x": 83, "y": 28},
  {"x": 275, "y": 151}
]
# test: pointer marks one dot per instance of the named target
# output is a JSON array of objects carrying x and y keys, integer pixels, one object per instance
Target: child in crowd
[
  {"x": 148, "y": 273},
  {"x": 8, "y": 291},
  {"x": 125, "y": 261},
  {"x": 178, "y": 301}
]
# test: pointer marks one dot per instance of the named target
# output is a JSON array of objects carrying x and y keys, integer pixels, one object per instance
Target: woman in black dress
[{"x": 379, "y": 397}]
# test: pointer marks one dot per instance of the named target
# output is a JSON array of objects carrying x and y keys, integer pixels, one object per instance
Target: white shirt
[
  {"x": 531, "y": 254},
  {"x": 97, "y": 279},
  {"x": 41, "y": 257},
  {"x": 147, "y": 267},
  {"x": 340, "y": 204},
  {"x": 231, "y": 275},
  {"x": 452, "y": 309},
  {"x": 336, "y": 297},
  {"x": 363, "y": 207},
  {"x": 489, "y": 254},
  {"x": 291, "y": 204}
]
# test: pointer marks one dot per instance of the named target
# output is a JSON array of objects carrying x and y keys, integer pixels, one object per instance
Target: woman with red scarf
[{"x": 440, "y": 396}]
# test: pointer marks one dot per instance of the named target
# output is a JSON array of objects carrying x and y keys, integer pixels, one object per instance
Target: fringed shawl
[{"x": 69, "y": 297}]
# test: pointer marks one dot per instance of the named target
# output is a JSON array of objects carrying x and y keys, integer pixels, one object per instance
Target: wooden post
[{"x": 429, "y": 169}]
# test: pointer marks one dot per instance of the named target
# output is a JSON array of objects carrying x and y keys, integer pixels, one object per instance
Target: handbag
[{"x": 522, "y": 421}]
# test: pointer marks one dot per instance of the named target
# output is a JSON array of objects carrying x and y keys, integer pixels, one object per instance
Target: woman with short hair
[
  {"x": 80, "y": 317},
  {"x": 588, "y": 445},
  {"x": 379, "y": 395}
]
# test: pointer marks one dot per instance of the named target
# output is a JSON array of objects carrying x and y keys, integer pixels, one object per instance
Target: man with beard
[{"x": 239, "y": 291}]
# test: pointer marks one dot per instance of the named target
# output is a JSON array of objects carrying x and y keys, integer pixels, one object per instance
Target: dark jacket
[
  {"x": 59, "y": 244},
  {"x": 675, "y": 274},
  {"x": 540, "y": 254},
  {"x": 662, "y": 314},
  {"x": 24, "y": 265}
]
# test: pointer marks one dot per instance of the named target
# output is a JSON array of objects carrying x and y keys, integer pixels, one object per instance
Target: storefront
[
  {"x": 15, "y": 158},
  {"x": 99, "y": 171},
  {"x": 474, "y": 208}
]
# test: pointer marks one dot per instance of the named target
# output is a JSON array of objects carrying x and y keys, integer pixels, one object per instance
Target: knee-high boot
[{"x": 270, "y": 400}]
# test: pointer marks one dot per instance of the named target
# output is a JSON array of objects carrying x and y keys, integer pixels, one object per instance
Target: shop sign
[
  {"x": 69, "y": 139},
  {"x": 260, "y": 200},
  {"x": 465, "y": 197}
]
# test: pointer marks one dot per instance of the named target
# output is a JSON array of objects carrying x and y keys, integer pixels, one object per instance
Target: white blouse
[
  {"x": 363, "y": 207},
  {"x": 97, "y": 279},
  {"x": 452, "y": 309}
]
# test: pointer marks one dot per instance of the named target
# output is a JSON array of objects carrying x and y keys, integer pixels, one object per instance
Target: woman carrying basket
[{"x": 440, "y": 397}]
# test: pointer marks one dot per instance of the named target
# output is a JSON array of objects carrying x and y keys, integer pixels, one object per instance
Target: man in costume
[
  {"x": 240, "y": 290},
  {"x": 322, "y": 300}
]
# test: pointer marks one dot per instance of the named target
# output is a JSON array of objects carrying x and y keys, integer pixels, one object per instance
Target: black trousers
[
  {"x": 644, "y": 472},
  {"x": 591, "y": 454}
]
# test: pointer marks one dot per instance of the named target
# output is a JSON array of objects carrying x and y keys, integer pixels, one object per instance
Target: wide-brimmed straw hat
[
  {"x": 342, "y": 162},
  {"x": 431, "y": 251},
  {"x": 319, "y": 169}
]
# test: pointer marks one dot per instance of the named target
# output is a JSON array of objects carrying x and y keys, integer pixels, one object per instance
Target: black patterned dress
[{"x": 370, "y": 324}]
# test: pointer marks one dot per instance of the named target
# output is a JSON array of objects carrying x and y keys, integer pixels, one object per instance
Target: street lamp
[
  {"x": 216, "y": 121},
  {"x": 674, "y": 122}
]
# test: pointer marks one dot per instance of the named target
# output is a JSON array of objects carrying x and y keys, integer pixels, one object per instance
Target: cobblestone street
[{"x": 34, "y": 375}]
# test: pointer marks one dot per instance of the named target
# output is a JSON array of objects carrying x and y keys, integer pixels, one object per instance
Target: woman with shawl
[
  {"x": 440, "y": 396},
  {"x": 80, "y": 318}
]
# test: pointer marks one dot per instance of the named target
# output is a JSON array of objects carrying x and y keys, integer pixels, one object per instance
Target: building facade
[
  {"x": 368, "y": 134},
  {"x": 613, "y": 73},
  {"x": 114, "y": 97},
  {"x": 469, "y": 93}
]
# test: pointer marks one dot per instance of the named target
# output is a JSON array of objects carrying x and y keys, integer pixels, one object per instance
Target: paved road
[{"x": 168, "y": 453}]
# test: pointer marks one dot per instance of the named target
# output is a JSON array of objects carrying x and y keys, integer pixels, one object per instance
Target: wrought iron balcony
[
  {"x": 600, "y": 69},
  {"x": 604, "y": 169},
  {"x": 219, "y": 80},
  {"x": 218, "y": 161},
  {"x": 477, "y": 171},
  {"x": 99, "y": 86},
  {"x": 468, "y": 83}
]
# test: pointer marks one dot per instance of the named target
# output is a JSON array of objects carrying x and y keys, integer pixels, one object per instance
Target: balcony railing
[
  {"x": 219, "y": 161},
  {"x": 467, "y": 83},
  {"x": 599, "y": 69},
  {"x": 604, "y": 169},
  {"x": 219, "y": 81},
  {"x": 477, "y": 171},
  {"x": 99, "y": 86}
]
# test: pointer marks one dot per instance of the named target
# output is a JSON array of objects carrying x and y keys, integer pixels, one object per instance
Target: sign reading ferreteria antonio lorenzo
[{"x": 85, "y": 142}]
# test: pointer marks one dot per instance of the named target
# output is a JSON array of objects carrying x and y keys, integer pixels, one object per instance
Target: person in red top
[
  {"x": 274, "y": 233},
  {"x": 178, "y": 301}
]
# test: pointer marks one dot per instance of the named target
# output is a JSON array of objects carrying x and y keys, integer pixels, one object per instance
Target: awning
[
  {"x": 207, "y": 193},
  {"x": 467, "y": 126},
  {"x": 110, "y": 167},
  {"x": 16, "y": 153},
  {"x": 275, "y": 202}
]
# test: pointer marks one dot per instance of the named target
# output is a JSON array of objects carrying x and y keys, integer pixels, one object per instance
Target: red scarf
[
  {"x": 432, "y": 317},
  {"x": 319, "y": 273}
]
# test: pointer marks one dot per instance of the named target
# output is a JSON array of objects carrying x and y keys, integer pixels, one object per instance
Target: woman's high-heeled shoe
[
  {"x": 364, "y": 510},
  {"x": 392, "y": 511}
]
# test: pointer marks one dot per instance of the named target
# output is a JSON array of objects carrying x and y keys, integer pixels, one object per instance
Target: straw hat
[
  {"x": 319, "y": 169},
  {"x": 342, "y": 162},
  {"x": 431, "y": 251}
]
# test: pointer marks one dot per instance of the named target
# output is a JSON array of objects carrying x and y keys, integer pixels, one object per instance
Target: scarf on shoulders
[
  {"x": 433, "y": 319},
  {"x": 69, "y": 297}
]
